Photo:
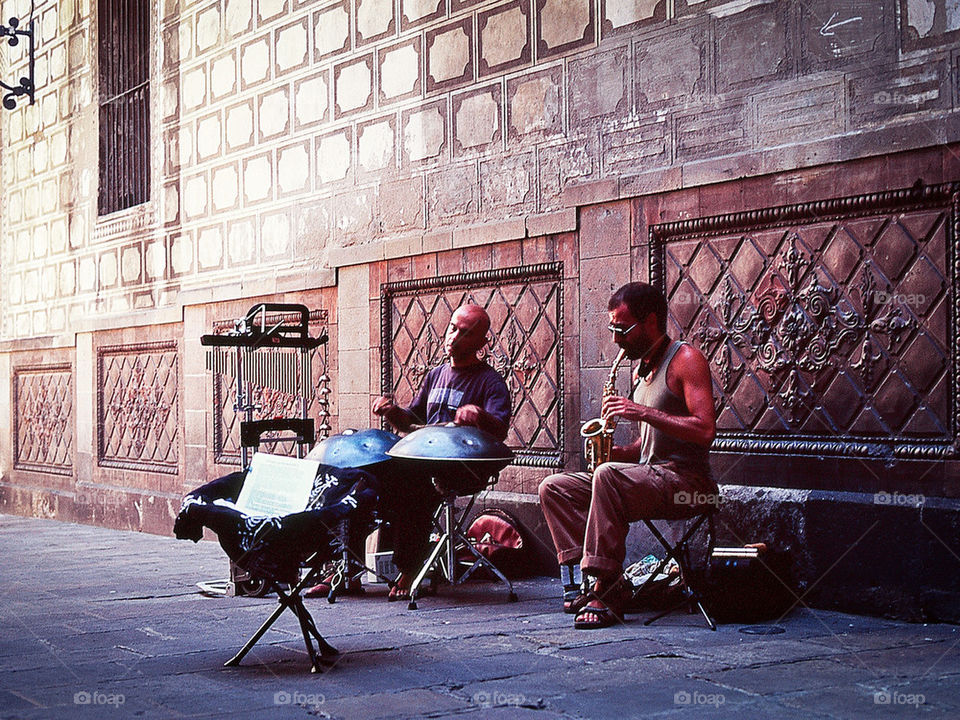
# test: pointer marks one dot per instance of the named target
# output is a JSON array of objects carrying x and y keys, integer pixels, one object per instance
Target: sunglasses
[{"x": 619, "y": 331}]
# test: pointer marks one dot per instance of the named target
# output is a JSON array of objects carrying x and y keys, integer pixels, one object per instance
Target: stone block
[
  {"x": 504, "y": 38},
  {"x": 552, "y": 223},
  {"x": 402, "y": 205},
  {"x": 753, "y": 47},
  {"x": 807, "y": 109},
  {"x": 417, "y": 12},
  {"x": 451, "y": 192},
  {"x": 437, "y": 241},
  {"x": 507, "y": 184},
  {"x": 376, "y": 147},
  {"x": 618, "y": 17},
  {"x": 311, "y": 100},
  {"x": 893, "y": 94},
  {"x": 293, "y": 168},
  {"x": 331, "y": 30},
  {"x": 489, "y": 233},
  {"x": 577, "y": 194},
  {"x": 639, "y": 142},
  {"x": 400, "y": 71},
  {"x": 564, "y": 25},
  {"x": 605, "y": 229},
  {"x": 836, "y": 35},
  {"x": 257, "y": 179},
  {"x": 374, "y": 20},
  {"x": 574, "y": 162},
  {"x": 599, "y": 278},
  {"x": 598, "y": 86},
  {"x": 535, "y": 106},
  {"x": 476, "y": 121},
  {"x": 223, "y": 77},
  {"x": 424, "y": 133},
  {"x": 353, "y": 86},
  {"x": 402, "y": 247},
  {"x": 449, "y": 55},
  {"x": 685, "y": 50},
  {"x": 290, "y": 43},
  {"x": 710, "y": 131},
  {"x": 334, "y": 156},
  {"x": 254, "y": 62},
  {"x": 238, "y": 125},
  {"x": 650, "y": 182}
]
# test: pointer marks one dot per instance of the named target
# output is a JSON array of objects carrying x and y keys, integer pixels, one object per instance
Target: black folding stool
[{"x": 680, "y": 552}]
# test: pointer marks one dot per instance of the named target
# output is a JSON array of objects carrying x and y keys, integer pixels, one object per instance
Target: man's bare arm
[{"x": 689, "y": 377}]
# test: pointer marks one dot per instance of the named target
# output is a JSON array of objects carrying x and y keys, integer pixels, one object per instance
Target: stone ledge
[
  {"x": 489, "y": 233},
  {"x": 590, "y": 193},
  {"x": 552, "y": 223}
]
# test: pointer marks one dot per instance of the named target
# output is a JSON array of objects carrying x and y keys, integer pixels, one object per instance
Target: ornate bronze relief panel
[
  {"x": 276, "y": 378},
  {"x": 525, "y": 305},
  {"x": 831, "y": 327},
  {"x": 138, "y": 415},
  {"x": 43, "y": 419}
]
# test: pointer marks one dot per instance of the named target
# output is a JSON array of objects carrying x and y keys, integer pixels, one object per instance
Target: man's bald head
[{"x": 466, "y": 334}]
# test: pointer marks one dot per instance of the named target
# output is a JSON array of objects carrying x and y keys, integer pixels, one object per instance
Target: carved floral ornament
[
  {"x": 792, "y": 327},
  {"x": 830, "y": 327}
]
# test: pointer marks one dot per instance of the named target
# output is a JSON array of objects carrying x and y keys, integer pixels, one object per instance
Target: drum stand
[{"x": 452, "y": 538}]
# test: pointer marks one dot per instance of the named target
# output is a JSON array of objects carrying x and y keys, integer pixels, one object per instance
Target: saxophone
[{"x": 597, "y": 434}]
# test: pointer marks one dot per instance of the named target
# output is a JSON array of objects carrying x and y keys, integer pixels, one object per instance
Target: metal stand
[
  {"x": 681, "y": 553},
  {"x": 293, "y": 601},
  {"x": 444, "y": 551}
]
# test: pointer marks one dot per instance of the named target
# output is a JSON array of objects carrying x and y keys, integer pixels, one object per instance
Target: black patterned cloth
[{"x": 274, "y": 548}]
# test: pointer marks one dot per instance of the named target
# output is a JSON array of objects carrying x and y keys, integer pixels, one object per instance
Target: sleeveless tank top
[{"x": 656, "y": 446}]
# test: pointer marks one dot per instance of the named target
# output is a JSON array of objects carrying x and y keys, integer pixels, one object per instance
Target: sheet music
[{"x": 277, "y": 485}]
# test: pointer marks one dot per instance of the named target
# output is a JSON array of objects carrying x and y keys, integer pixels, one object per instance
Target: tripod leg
[
  {"x": 421, "y": 576},
  {"x": 235, "y": 660}
]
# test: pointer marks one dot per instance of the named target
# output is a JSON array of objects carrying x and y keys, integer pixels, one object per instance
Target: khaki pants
[{"x": 589, "y": 521}]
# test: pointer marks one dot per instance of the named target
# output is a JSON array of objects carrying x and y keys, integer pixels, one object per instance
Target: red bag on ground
[{"x": 499, "y": 537}]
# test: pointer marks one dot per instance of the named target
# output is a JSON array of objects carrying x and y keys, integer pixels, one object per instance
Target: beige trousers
[{"x": 589, "y": 521}]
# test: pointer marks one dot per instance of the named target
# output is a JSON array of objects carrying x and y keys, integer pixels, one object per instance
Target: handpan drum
[
  {"x": 456, "y": 457},
  {"x": 354, "y": 448}
]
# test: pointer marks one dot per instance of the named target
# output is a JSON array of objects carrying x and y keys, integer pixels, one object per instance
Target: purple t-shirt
[{"x": 446, "y": 388}]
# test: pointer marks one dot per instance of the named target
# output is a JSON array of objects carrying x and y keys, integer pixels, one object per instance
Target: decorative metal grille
[
  {"x": 272, "y": 402},
  {"x": 138, "y": 417},
  {"x": 526, "y": 313},
  {"x": 124, "y": 59},
  {"x": 43, "y": 419},
  {"x": 831, "y": 327}
]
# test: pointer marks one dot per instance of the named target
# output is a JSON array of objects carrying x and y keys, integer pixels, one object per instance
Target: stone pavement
[{"x": 108, "y": 624}]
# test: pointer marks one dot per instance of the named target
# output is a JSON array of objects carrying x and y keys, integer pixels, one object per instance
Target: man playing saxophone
[{"x": 665, "y": 473}]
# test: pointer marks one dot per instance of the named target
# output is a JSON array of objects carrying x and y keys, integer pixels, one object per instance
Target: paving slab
[{"x": 108, "y": 624}]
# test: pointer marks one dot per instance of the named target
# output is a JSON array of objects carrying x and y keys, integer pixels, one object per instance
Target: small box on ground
[{"x": 382, "y": 562}]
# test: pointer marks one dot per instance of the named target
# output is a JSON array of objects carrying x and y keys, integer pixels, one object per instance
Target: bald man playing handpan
[{"x": 464, "y": 391}]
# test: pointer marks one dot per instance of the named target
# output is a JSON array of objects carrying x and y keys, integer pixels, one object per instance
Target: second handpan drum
[{"x": 458, "y": 458}]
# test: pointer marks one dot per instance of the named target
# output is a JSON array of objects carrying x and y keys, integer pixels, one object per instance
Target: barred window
[{"x": 124, "y": 54}]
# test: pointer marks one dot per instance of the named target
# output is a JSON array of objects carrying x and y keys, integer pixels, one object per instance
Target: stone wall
[{"x": 318, "y": 151}]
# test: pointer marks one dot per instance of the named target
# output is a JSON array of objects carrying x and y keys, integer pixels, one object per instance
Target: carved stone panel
[
  {"x": 830, "y": 327},
  {"x": 525, "y": 305},
  {"x": 276, "y": 387},
  {"x": 43, "y": 419},
  {"x": 138, "y": 407}
]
